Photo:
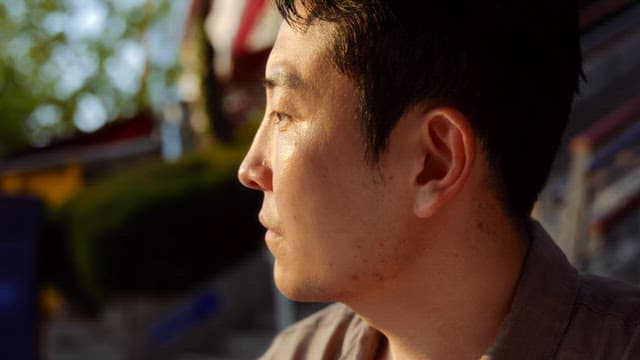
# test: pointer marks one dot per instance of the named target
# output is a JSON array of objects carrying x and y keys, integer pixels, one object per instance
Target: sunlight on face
[{"x": 334, "y": 228}]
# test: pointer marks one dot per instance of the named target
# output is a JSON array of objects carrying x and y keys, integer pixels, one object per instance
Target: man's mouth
[{"x": 268, "y": 225}]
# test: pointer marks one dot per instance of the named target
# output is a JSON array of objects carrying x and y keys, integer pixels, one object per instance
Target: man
[{"x": 402, "y": 149}]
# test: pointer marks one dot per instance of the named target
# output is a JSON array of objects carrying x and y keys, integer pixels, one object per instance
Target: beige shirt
[{"x": 556, "y": 314}]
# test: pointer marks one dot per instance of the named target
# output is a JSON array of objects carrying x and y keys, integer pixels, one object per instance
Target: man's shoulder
[
  {"x": 605, "y": 320},
  {"x": 608, "y": 297},
  {"x": 331, "y": 332}
]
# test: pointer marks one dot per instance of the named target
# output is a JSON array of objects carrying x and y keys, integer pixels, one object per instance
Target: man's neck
[{"x": 449, "y": 309}]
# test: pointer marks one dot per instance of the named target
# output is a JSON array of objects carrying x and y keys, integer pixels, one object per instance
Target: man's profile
[{"x": 400, "y": 155}]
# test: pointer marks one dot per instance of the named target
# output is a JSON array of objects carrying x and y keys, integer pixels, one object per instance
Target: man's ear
[{"x": 448, "y": 150}]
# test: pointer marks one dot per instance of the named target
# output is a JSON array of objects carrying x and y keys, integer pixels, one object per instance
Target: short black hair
[{"x": 511, "y": 66}]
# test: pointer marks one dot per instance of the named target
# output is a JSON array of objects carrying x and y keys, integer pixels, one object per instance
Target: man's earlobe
[
  {"x": 426, "y": 202},
  {"x": 448, "y": 151}
]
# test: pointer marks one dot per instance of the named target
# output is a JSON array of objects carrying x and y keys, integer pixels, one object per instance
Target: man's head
[
  {"x": 512, "y": 68},
  {"x": 386, "y": 122}
]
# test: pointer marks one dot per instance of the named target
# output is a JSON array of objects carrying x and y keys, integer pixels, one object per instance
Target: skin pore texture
[{"x": 418, "y": 244}]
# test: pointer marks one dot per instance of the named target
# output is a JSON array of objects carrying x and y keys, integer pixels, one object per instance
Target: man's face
[{"x": 336, "y": 225}]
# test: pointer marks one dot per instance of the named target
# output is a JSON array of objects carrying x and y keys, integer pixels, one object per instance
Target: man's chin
[{"x": 302, "y": 290}]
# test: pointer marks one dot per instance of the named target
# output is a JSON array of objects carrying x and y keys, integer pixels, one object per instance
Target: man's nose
[{"x": 255, "y": 173}]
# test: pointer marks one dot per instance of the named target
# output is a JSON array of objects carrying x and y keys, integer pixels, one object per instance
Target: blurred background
[{"x": 123, "y": 231}]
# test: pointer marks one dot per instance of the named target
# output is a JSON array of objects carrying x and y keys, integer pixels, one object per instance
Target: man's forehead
[
  {"x": 296, "y": 55},
  {"x": 314, "y": 36}
]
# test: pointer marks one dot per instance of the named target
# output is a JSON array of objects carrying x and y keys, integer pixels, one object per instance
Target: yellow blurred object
[
  {"x": 51, "y": 301},
  {"x": 54, "y": 186}
]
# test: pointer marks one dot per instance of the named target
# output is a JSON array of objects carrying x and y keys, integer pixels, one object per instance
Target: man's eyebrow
[{"x": 282, "y": 78}]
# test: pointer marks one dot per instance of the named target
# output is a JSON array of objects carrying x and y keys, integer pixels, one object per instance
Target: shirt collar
[
  {"x": 362, "y": 341},
  {"x": 542, "y": 304}
]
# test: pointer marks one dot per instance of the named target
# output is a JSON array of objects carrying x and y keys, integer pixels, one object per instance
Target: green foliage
[
  {"x": 61, "y": 59},
  {"x": 162, "y": 226}
]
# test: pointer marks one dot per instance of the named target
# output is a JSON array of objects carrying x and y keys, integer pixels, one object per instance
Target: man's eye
[{"x": 279, "y": 117}]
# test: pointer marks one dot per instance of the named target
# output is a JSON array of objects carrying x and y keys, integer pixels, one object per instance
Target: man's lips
[
  {"x": 268, "y": 225},
  {"x": 272, "y": 235}
]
